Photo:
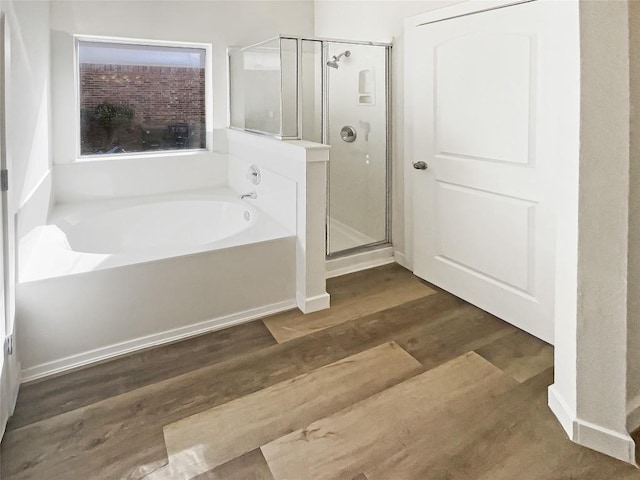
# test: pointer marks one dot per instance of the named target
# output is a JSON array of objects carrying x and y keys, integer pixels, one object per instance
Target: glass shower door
[{"x": 356, "y": 113}]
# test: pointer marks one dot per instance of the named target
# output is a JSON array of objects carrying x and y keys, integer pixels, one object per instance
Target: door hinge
[
  {"x": 4, "y": 180},
  {"x": 8, "y": 345}
]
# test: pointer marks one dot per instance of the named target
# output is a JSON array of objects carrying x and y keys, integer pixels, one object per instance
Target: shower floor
[{"x": 343, "y": 237}]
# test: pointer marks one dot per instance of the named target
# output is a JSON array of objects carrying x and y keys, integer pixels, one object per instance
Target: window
[{"x": 139, "y": 97}]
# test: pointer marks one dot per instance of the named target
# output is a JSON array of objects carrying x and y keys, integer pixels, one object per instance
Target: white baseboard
[
  {"x": 359, "y": 261},
  {"x": 313, "y": 304},
  {"x": 633, "y": 414},
  {"x": 401, "y": 260},
  {"x": 560, "y": 409},
  {"x": 612, "y": 443},
  {"x": 93, "y": 356}
]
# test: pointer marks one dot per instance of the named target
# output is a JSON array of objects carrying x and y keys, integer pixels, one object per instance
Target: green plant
[{"x": 113, "y": 118}]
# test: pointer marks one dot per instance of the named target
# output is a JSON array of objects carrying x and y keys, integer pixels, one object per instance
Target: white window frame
[{"x": 208, "y": 96}]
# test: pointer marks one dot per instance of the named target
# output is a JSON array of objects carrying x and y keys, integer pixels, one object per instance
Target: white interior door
[
  {"x": 9, "y": 365},
  {"x": 487, "y": 101}
]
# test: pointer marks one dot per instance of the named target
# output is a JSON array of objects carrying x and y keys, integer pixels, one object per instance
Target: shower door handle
[{"x": 420, "y": 165}]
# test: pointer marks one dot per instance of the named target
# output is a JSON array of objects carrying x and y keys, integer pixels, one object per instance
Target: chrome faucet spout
[{"x": 253, "y": 195}]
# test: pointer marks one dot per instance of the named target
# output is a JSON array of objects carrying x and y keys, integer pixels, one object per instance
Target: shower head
[{"x": 334, "y": 63}]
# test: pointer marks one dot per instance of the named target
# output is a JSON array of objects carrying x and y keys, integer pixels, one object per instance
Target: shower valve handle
[{"x": 420, "y": 165}]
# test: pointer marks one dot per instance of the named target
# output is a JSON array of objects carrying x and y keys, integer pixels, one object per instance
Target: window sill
[{"x": 143, "y": 155}]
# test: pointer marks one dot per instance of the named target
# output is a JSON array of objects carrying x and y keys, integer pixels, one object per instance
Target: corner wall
[
  {"x": 633, "y": 299},
  {"x": 589, "y": 395},
  {"x": 603, "y": 216}
]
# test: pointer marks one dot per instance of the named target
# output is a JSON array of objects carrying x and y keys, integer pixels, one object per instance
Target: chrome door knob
[{"x": 420, "y": 165}]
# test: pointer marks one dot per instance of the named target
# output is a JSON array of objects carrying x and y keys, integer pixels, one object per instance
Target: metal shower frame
[{"x": 324, "y": 43}]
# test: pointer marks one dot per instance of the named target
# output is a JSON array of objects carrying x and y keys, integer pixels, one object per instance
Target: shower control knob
[
  {"x": 420, "y": 165},
  {"x": 253, "y": 175},
  {"x": 348, "y": 134}
]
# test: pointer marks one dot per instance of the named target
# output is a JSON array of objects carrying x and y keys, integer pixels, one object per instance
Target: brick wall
[{"x": 160, "y": 96}]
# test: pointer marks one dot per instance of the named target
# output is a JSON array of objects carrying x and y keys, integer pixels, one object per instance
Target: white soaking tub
[
  {"x": 107, "y": 277},
  {"x": 161, "y": 225}
]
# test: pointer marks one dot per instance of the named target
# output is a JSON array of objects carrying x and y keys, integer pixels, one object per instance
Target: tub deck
[{"x": 46, "y": 252}]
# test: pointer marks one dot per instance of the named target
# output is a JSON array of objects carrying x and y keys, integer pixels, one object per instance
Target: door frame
[{"x": 469, "y": 7}]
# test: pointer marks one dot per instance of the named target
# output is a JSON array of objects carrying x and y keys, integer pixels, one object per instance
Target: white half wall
[
  {"x": 276, "y": 195},
  {"x": 304, "y": 163}
]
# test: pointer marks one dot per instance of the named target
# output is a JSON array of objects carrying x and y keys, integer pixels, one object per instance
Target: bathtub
[
  {"x": 104, "y": 278},
  {"x": 89, "y": 236}
]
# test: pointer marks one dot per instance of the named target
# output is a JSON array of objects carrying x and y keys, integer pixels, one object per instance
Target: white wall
[
  {"x": 221, "y": 23},
  {"x": 28, "y": 111},
  {"x": 27, "y": 125},
  {"x": 381, "y": 21},
  {"x": 633, "y": 299}
]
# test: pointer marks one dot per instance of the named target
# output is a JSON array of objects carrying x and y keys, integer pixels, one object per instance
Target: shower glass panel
[
  {"x": 236, "y": 87},
  {"x": 311, "y": 90},
  {"x": 270, "y": 85},
  {"x": 357, "y": 132},
  {"x": 289, "y": 86}
]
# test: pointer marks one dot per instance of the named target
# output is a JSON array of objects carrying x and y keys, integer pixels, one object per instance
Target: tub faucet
[{"x": 253, "y": 195}]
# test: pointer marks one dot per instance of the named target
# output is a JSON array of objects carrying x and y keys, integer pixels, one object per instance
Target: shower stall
[{"x": 333, "y": 92}]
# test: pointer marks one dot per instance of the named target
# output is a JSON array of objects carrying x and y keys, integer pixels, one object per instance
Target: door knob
[
  {"x": 420, "y": 165},
  {"x": 348, "y": 134}
]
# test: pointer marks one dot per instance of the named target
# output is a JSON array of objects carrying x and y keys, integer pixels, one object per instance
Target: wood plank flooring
[
  {"x": 250, "y": 466},
  {"x": 254, "y": 420},
  {"x": 387, "y": 425},
  {"x": 398, "y": 380},
  {"x": 392, "y": 289}
]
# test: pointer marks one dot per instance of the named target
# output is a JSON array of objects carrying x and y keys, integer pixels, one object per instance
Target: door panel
[
  {"x": 486, "y": 104},
  {"x": 482, "y": 94},
  {"x": 486, "y": 233}
]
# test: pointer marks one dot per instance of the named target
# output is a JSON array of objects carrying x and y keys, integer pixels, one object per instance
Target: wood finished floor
[{"x": 398, "y": 380}]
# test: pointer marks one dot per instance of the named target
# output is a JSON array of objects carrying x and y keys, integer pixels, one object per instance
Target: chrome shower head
[{"x": 334, "y": 63}]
